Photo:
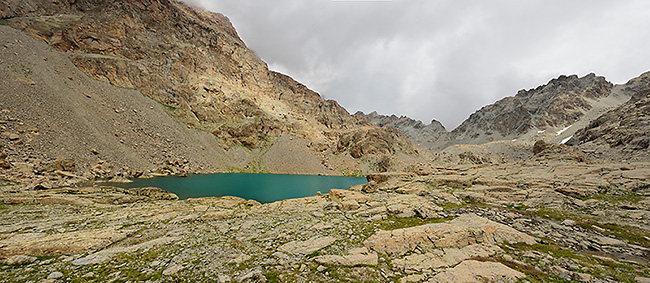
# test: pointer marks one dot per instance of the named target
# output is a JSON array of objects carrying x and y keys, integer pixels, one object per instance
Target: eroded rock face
[
  {"x": 462, "y": 231},
  {"x": 626, "y": 128},
  {"x": 374, "y": 141},
  {"x": 557, "y": 104},
  {"x": 193, "y": 61},
  {"x": 421, "y": 134}
]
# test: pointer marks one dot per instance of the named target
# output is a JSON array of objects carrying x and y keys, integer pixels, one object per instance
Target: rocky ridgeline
[
  {"x": 557, "y": 104},
  {"x": 427, "y": 136},
  {"x": 539, "y": 220},
  {"x": 553, "y": 112},
  {"x": 194, "y": 62}
]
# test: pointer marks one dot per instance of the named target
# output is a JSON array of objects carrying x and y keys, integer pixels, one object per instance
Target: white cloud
[{"x": 440, "y": 59}]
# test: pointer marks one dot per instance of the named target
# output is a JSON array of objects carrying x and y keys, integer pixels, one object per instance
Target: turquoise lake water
[{"x": 264, "y": 188}]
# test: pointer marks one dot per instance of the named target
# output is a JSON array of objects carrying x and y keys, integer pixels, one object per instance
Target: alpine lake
[{"x": 264, "y": 188}]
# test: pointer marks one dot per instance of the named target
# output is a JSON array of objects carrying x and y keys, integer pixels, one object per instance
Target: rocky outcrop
[
  {"x": 192, "y": 61},
  {"x": 63, "y": 125},
  {"x": 625, "y": 129},
  {"x": 536, "y": 219},
  {"x": 557, "y": 104},
  {"x": 386, "y": 141},
  {"x": 425, "y": 135},
  {"x": 460, "y": 232}
]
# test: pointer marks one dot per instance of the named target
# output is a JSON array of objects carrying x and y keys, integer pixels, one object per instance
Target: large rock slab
[
  {"x": 109, "y": 253},
  {"x": 357, "y": 256},
  {"x": 61, "y": 243},
  {"x": 463, "y": 231},
  {"x": 308, "y": 246},
  {"x": 412, "y": 205},
  {"x": 470, "y": 271},
  {"x": 444, "y": 257}
]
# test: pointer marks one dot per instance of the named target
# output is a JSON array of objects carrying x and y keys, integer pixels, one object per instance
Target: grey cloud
[{"x": 440, "y": 59}]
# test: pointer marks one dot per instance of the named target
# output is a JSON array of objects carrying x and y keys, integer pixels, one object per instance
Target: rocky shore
[{"x": 538, "y": 220}]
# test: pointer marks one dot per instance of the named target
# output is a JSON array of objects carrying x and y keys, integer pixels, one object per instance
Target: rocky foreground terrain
[
  {"x": 97, "y": 89},
  {"x": 548, "y": 218}
]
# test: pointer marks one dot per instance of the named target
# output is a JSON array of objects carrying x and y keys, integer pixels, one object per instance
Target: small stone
[
  {"x": 321, "y": 268},
  {"x": 172, "y": 269},
  {"x": 223, "y": 278},
  {"x": 155, "y": 263},
  {"x": 55, "y": 275},
  {"x": 14, "y": 137},
  {"x": 568, "y": 222},
  {"x": 582, "y": 277}
]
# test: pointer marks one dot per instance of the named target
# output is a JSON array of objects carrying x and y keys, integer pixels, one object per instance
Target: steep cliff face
[
  {"x": 192, "y": 61},
  {"x": 421, "y": 134},
  {"x": 558, "y": 104}
]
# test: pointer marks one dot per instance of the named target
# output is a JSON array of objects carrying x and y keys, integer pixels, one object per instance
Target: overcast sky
[{"x": 435, "y": 59}]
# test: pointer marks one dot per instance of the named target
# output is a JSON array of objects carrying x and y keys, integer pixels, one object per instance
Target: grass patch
[
  {"x": 627, "y": 197},
  {"x": 272, "y": 276},
  {"x": 597, "y": 267},
  {"x": 632, "y": 234}
]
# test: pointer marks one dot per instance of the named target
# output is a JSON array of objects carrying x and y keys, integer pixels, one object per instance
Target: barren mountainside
[
  {"x": 194, "y": 62},
  {"x": 558, "y": 104},
  {"x": 553, "y": 112},
  {"x": 626, "y": 128}
]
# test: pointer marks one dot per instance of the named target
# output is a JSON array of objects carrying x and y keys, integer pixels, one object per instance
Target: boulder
[
  {"x": 19, "y": 260},
  {"x": 463, "y": 231},
  {"x": 306, "y": 247},
  {"x": 539, "y": 146}
]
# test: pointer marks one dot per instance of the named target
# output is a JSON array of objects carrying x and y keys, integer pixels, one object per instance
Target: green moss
[
  {"x": 632, "y": 234},
  {"x": 272, "y": 276},
  {"x": 597, "y": 267},
  {"x": 626, "y": 198}
]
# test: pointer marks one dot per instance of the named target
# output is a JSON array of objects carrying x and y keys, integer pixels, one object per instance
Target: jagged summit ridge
[
  {"x": 553, "y": 112},
  {"x": 559, "y": 103},
  {"x": 417, "y": 131}
]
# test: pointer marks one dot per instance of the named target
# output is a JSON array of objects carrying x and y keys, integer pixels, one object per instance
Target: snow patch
[
  {"x": 539, "y": 132},
  {"x": 514, "y": 140},
  {"x": 562, "y": 131},
  {"x": 566, "y": 140}
]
